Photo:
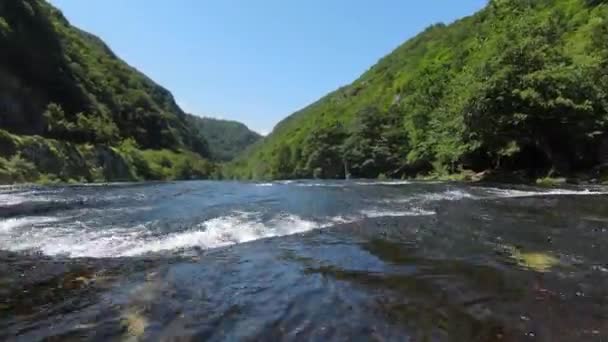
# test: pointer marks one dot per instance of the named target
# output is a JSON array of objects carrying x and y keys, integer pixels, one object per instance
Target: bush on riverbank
[{"x": 42, "y": 160}]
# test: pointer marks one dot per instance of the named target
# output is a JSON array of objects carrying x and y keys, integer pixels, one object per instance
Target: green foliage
[
  {"x": 25, "y": 169},
  {"x": 8, "y": 144},
  {"x": 520, "y": 85},
  {"x": 86, "y": 93},
  {"x": 5, "y": 28},
  {"x": 550, "y": 181},
  {"x": 226, "y": 138},
  {"x": 139, "y": 166},
  {"x": 323, "y": 155},
  {"x": 72, "y": 111},
  {"x": 96, "y": 128},
  {"x": 55, "y": 120},
  {"x": 17, "y": 169},
  {"x": 376, "y": 143},
  {"x": 85, "y": 128},
  {"x": 47, "y": 161},
  {"x": 595, "y": 2},
  {"x": 48, "y": 179},
  {"x": 165, "y": 164},
  {"x": 169, "y": 165}
]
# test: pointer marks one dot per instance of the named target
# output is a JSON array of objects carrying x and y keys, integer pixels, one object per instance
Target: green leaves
[
  {"x": 226, "y": 139},
  {"x": 100, "y": 98},
  {"x": 83, "y": 128},
  {"x": 5, "y": 28},
  {"x": 323, "y": 152},
  {"x": 521, "y": 85},
  {"x": 376, "y": 143}
]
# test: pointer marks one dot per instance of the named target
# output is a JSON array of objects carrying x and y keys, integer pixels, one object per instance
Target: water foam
[
  {"x": 227, "y": 230},
  {"x": 87, "y": 239},
  {"x": 81, "y": 239},
  {"x": 242, "y": 227},
  {"x": 74, "y": 239},
  {"x": 12, "y": 223},
  {"x": 374, "y": 213},
  {"x": 10, "y": 199},
  {"x": 319, "y": 185},
  {"x": 396, "y": 182},
  {"x": 512, "y": 193},
  {"x": 447, "y": 195},
  {"x": 77, "y": 239},
  {"x": 490, "y": 193}
]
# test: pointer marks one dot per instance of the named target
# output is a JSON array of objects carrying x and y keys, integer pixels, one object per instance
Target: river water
[{"x": 304, "y": 260}]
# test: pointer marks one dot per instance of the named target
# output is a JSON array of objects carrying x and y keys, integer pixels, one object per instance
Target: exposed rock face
[
  {"x": 113, "y": 165},
  {"x": 63, "y": 160},
  {"x": 43, "y": 156}
]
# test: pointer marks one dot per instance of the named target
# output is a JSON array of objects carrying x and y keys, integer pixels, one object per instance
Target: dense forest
[
  {"x": 71, "y": 110},
  {"x": 519, "y": 88},
  {"x": 226, "y": 138}
]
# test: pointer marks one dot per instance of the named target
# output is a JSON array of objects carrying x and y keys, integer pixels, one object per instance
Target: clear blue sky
[{"x": 256, "y": 61}]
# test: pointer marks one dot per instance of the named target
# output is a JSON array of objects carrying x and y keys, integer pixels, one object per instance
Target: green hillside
[
  {"x": 226, "y": 138},
  {"x": 519, "y": 87},
  {"x": 70, "y": 109}
]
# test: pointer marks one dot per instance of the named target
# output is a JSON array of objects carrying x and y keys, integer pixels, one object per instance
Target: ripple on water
[
  {"x": 447, "y": 262},
  {"x": 12, "y": 223}
]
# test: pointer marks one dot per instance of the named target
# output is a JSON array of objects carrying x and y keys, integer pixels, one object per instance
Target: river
[{"x": 304, "y": 260}]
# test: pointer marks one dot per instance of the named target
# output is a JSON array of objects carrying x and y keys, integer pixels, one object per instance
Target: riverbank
[
  {"x": 596, "y": 176},
  {"x": 39, "y": 160},
  {"x": 34, "y": 159}
]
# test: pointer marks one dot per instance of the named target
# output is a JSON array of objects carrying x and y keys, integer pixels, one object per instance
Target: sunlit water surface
[{"x": 304, "y": 260}]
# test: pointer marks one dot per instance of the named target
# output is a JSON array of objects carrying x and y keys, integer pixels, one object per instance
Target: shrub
[
  {"x": 48, "y": 179},
  {"x": 5, "y": 28},
  {"x": 550, "y": 181},
  {"x": 17, "y": 169},
  {"x": 8, "y": 144}
]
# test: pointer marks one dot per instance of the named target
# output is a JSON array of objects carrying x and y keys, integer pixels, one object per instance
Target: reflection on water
[
  {"x": 540, "y": 262},
  {"x": 304, "y": 261}
]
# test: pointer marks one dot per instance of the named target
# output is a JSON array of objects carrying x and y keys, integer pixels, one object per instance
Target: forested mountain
[
  {"x": 521, "y": 85},
  {"x": 226, "y": 138},
  {"x": 70, "y": 109}
]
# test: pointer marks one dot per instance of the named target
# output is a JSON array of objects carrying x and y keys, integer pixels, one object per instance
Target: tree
[
  {"x": 323, "y": 152},
  {"x": 95, "y": 128},
  {"x": 377, "y": 143},
  {"x": 536, "y": 98},
  {"x": 281, "y": 165},
  {"x": 57, "y": 125}
]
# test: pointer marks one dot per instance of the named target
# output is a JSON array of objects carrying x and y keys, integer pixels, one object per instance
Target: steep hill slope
[
  {"x": 226, "y": 138},
  {"x": 521, "y": 85},
  {"x": 67, "y": 86}
]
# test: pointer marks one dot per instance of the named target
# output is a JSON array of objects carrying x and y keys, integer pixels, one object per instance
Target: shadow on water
[
  {"x": 466, "y": 281},
  {"x": 445, "y": 299},
  {"x": 43, "y": 297}
]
